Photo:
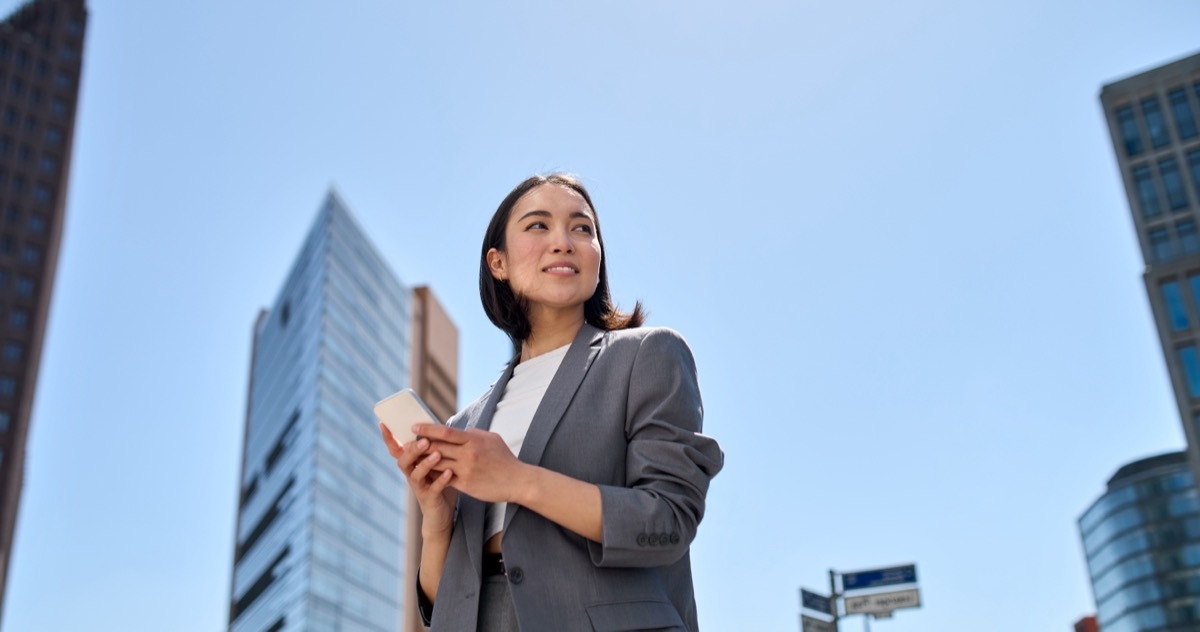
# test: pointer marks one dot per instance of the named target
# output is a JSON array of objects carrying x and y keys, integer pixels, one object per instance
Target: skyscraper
[
  {"x": 41, "y": 55},
  {"x": 1142, "y": 537},
  {"x": 1142, "y": 544},
  {"x": 321, "y": 536},
  {"x": 1154, "y": 120}
]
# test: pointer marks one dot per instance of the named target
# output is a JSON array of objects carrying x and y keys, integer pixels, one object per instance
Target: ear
[{"x": 498, "y": 264}]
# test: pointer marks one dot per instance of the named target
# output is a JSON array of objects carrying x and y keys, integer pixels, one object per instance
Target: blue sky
[{"x": 893, "y": 234}]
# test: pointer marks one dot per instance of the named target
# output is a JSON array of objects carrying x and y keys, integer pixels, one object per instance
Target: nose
[{"x": 563, "y": 243}]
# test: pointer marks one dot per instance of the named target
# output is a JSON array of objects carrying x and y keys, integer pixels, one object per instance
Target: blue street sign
[
  {"x": 813, "y": 601},
  {"x": 880, "y": 577}
]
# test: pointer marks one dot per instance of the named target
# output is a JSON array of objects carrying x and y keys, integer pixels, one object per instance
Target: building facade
[
  {"x": 41, "y": 58},
  {"x": 1142, "y": 543},
  {"x": 321, "y": 530},
  {"x": 1154, "y": 121}
]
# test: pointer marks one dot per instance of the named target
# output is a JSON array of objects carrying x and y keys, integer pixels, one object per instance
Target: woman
[{"x": 565, "y": 498}]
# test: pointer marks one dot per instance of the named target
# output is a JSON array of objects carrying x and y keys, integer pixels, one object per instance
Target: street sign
[
  {"x": 880, "y": 577},
  {"x": 813, "y": 601},
  {"x": 880, "y": 603},
  {"x": 809, "y": 624}
]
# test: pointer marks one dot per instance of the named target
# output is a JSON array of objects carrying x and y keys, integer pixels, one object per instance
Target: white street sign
[
  {"x": 883, "y": 602},
  {"x": 809, "y": 624}
]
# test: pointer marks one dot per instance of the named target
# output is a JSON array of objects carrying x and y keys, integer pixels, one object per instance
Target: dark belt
[{"x": 493, "y": 564}]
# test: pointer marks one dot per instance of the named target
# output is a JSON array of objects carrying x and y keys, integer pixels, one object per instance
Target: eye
[
  {"x": 585, "y": 228},
  {"x": 536, "y": 225}
]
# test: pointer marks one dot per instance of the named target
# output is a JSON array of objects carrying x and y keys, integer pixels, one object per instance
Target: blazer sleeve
[{"x": 652, "y": 520}]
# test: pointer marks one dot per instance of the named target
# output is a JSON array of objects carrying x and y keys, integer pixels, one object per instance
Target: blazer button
[
  {"x": 642, "y": 539},
  {"x": 674, "y": 538},
  {"x": 653, "y": 539},
  {"x": 516, "y": 575}
]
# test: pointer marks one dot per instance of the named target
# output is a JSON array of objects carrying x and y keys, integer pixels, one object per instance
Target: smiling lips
[{"x": 560, "y": 268}]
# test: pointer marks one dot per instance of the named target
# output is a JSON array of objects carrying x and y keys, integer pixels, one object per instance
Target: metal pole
[
  {"x": 866, "y": 622},
  {"x": 833, "y": 596}
]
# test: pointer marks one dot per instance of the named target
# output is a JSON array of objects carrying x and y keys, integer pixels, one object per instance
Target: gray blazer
[{"x": 623, "y": 412}]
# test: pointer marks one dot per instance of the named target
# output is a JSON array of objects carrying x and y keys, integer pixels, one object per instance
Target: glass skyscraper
[
  {"x": 1142, "y": 543},
  {"x": 321, "y": 533},
  {"x": 1154, "y": 121}
]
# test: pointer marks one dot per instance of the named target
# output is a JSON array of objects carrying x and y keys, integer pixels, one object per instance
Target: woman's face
[{"x": 552, "y": 254}]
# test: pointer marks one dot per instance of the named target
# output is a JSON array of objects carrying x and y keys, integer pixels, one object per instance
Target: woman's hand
[
  {"x": 418, "y": 460},
  {"x": 481, "y": 463}
]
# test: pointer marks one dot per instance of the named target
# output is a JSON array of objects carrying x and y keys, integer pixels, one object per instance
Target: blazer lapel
[
  {"x": 471, "y": 512},
  {"x": 558, "y": 395}
]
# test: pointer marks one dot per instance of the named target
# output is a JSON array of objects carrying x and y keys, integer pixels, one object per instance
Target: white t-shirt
[{"x": 514, "y": 413}]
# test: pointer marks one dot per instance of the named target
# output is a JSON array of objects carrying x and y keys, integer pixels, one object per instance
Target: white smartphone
[{"x": 400, "y": 411}]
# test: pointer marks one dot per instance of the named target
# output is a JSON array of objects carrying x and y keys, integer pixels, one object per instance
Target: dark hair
[{"x": 509, "y": 311}]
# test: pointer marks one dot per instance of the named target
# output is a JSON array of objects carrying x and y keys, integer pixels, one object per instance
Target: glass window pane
[
  {"x": 1130, "y": 135},
  {"x": 1185, "y": 121},
  {"x": 1156, "y": 123},
  {"x": 1191, "y": 369},
  {"x": 1176, "y": 310},
  {"x": 1160, "y": 245},
  {"x": 1189, "y": 240},
  {"x": 1193, "y": 159},
  {"x": 1147, "y": 193},
  {"x": 1173, "y": 183}
]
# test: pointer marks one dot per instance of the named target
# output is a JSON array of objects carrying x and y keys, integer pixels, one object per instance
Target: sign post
[{"x": 874, "y": 604}]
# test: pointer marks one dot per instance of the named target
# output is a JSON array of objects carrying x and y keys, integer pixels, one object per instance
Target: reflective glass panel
[
  {"x": 1185, "y": 121},
  {"x": 1156, "y": 123},
  {"x": 1173, "y": 183},
  {"x": 1176, "y": 310},
  {"x": 1130, "y": 136},
  {"x": 1147, "y": 193},
  {"x": 1191, "y": 369}
]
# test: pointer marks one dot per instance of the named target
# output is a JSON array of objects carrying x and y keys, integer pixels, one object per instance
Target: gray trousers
[{"x": 496, "y": 612}]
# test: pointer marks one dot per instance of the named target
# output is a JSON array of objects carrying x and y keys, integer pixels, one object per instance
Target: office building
[
  {"x": 1154, "y": 121},
  {"x": 1087, "y": 624},
  {"x": 41, "y": 56},
  {"x": 1142, "y": 544},
  {"x": 321, "y": 534}
]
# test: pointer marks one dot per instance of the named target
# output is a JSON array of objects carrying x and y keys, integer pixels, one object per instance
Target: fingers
[{"x": 440, "y": 432}]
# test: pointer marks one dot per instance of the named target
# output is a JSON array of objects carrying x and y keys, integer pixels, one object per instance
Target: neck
[{"x": 549, "y": 332}]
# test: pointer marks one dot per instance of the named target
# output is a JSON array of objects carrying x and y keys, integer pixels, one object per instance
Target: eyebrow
[{"x": 541, "y": 213}]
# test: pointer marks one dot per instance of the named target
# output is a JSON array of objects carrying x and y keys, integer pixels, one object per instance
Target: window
[
  {"x": 1193, "y": 159},
  {"x": 58, "y": 107},
  {"x": 1130, "y": 135},
  {"x": 1191, "y": 369},
  {"x": 10, "y": 115},
  {"x": 17, "y": 87},
  {"x": 24, "y": 154},
  {"x": 1147, "y": 193},
  {"x": 62, "y": 80},
  {"x": 31, "y": 255},
  {"x": 25, "y": 286},
  {"x": 8, "y": 386},
  {"x": 49, "y": 164},
  {"x": 30, "y": 124},
  {"x": 1173, "y": 183},
  {"x": 19, "y": 318},
  {"x": 12, "y": 351},
  {"x": 1160, "y": 245},
  {"x": 5, "y": 420},
  {"x": 1185, "y": 121},
  {"x": 18, "y": 185},
  {"x": 1189, "y": 241},
  {"x": 37, "y": 224},
  {"x": 42, "y": 193},
  {"x": 53, "y": 135},
  {"x": 1156, "y": 122},
  {"x": 1173, "y": 300}
]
